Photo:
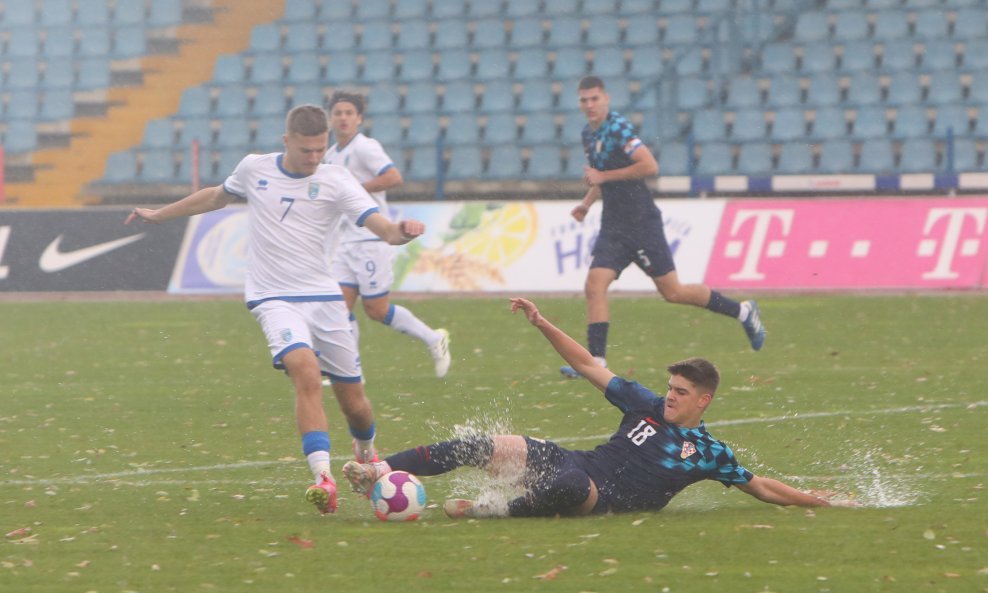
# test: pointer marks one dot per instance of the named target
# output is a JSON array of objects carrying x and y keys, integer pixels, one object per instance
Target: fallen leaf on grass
[
  {"x": 551, "y": 575},
  {"x": 300, "y": 542},
  {"x": 425, "y": 574},
  {"x": 18, "y": 532}
]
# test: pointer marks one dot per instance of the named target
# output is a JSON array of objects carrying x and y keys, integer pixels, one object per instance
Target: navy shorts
[
  {"x": 616, "y": 252},
  {"x": 546, "y": 460}
]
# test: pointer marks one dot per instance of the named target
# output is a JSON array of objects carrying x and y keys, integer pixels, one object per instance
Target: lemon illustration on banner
[{"x": 503, "y": 235}]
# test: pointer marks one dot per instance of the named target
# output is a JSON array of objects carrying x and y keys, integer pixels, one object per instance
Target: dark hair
[
  {"x": 307, "y": 120},
  {"x": 359, "y": 101},
  {"x": 591, "y": 82},
  {"x": 699, "y": 371}
]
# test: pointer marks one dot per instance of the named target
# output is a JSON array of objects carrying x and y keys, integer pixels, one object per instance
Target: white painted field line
[{"x": 127, "y": 477}]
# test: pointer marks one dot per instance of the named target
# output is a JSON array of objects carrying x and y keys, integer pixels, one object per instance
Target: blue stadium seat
[
  {"x": 824, "y": 90},
  {"x": 423, "y": 165},
  {"x": 130, "y": 42},
  {"x": 59, "y": 43},
  {"x": 692, "y": 93},
  {"x": 383, "y": 98},
  {"x": 536, "y": 96},
  {"x": 120, "y": 167},
  {"x": 674, "y": 159},
  {"x": 953, "y": 117},
  {"x": 231, "y": 102},
  {"x": 386, "y": 129},
  {"x": 158, "y": 167},
  {"x": 227, "y": 162},
  {"x": 18, "y": 14},
  {"x": 158, "y": 133},
  {"x": 690, "y": 62},
  {"x": 532, "y": 63},
  {"x": 94, "y": 13},
  {"x": 789, "y": 124},
  {"x": 413, "y": 34},
  {"x": 603, "y": 31},
  {"x": 24, "y": 73},
  {"x": 976, "y": 55},
  {"x": 784, "y": 91},
  {"x": 195, "y": 101},
  {"x": 899, "y": 55},
  {"x": 476, "y": 10},
  {"x": 94, "y": 73},
  {"x": 59, "y": 74},
  {"x": 811, "y": 26},
  {"x": 269, "y": 100},
  {"x": 296, "y": 10},
  {"x": 645, "y": 63},
  {"x": 421, "y": 97},
  {"x": 304, "y": 68},
  {"x": 336, "y": 10},
  {"x": 865, "y": 89},
  {"x": 918, "y": 155},
  {"x": 500, "y": 129},
  {"x": 505, "y": 162},
  {"x": 857, "y": 56},
  {"x": 493, "y": 64},
  {"x": 978, "y": 92},
  {"x": 459, "y": 97},
  {"x": 877, "y": 156},
  {"x": 609, "y": 61},
  {"x": 836, "y": 156},
  {"x": 497, "y": 96},
  {"x": 339, "y": 37},
  {"x": 965, "y": 155},
  {"x": 373, "y": 9},
  {"x": 513, "y": 8},
  {"x": 379, "y": 66},
  {"x": 270, "y": 129},
  {"x": 21, "y": 137},
  {"x": 233, "y": 132},
  {"x": 417, "y": 65},
  {"x": 311, "y": 94},
  {"x": 939, "y": 54},
  {"x": 539, "y": 128},
  {"x": 453, "y": 65},
  {"x": 709, "y": 126},
  {"x": 891, "y": 24},
  {"x": 573, "y": 124},
  {"x": 451, "y": 34},
  {"x": 980, "y": 125},
  {"x": 796, "y": 158},
  {"x": 680, "y": 30},
  {"x": 749, "y": 125},
  {"x": 818, "y": 57},
  {"x": 301, "y": 37},
  {"x": 229, "y": 69},
  {"x": 904, "y": 88},
  {"x": 829, "y": 123},
  {"x": 423, "y": 128},
  {"x": 642, "y": 31},
  {"x": 617, "y": 90},
  {"x": 850, "y": 26},
  {"x": 570, "y": 63},
  {"x": 911, "y": 122},
  {"x": 778, "y": 58},
  {"x": 407, "y": 10},
  {"x": 466, "y": 162},
  {"x": 545, "y": 162},
  {"x": 163, "y": 13},
  {"x": 635, "y": 7},
  {"x": 462, "y": 128},
  {"x": 489, "y": 34},
  {"x": 743, "y": 91},
  {"x": 94, "y": 43},
  {"x": 22, "y": 104},
  {"x": 755, "y": 158},
  {"x": 931, "y": 24},
  {"x": 870, "y": 122},
  {"x": 266, "y": 68},
  {"x": 715, "y": 159},
  {"x": 527, "y": 32},
  {"x": 56, "y": 13},
  {"x": 376, "y": 35},
  {"x": 342, "y": 68},
  {"x": 945, "y": 88},
  {"x": 556, "y": 8},
  {"x": 265, "y": 38},
  {"x": 565, "y": 31},
  {"x": 23, "y": 44},
  {"x": 970, "y": 23}
]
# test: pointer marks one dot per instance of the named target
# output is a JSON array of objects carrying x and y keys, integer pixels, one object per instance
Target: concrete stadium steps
[{"x": 62, "y": 174}]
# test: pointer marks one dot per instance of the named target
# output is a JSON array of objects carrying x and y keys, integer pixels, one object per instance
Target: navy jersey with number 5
[{"x": 647, "y": 461}]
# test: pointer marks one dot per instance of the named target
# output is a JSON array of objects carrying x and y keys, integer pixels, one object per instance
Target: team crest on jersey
[
  {"x": 688, "y": 449},
  {"x": 286, "y": 335},
  {"x": 313, "y": 190}
]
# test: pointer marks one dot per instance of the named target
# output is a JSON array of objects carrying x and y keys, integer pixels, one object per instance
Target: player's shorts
[
  {"x": 364, "y": 265},
  {"x": 322, "y": 326},
  {"x": 546, "y": 460},
  {"x": 616, "y": 252}
]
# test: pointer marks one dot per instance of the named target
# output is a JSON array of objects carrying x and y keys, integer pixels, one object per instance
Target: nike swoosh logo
[{"x": 55, "y": 260}]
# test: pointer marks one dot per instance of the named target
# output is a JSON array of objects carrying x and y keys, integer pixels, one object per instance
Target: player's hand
[
  {"x": 592, "y": 176},
  {"x": 144, "y": 214},
  {"x": 580, "y": 212},
  {"x": 411, "y": 229},
  {"x": 528, "y": 308},
  {"x": 833, "y": 498}
]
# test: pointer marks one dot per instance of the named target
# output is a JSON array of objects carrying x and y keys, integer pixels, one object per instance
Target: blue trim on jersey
[
  {"x": 341, "y": 379},
  {"x": 317, "y": 298},
  {"x": 385, "y": 168},
  {"x": 376, "y": 296},
  {"x": 276, "y": 361},
  {"x": 285, "y": 172},
  {"x": 363, "y": 217}
]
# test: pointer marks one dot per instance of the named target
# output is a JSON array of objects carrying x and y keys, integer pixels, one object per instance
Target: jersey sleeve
[
  {"x": 235, "y": 184},
  {"x": 630, "y": 395},
  {"x": 373, "y": 155},
  {"x": 625, "y": 135},
  {"x": 726, "y": 468}
]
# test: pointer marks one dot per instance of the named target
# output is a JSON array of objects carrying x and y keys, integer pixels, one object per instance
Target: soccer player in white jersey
[
  {"x": 294, "y": 202},
  {"x": 362, "y": 263}
]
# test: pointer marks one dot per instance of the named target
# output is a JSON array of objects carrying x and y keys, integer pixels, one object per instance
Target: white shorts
[
  {"x": 364, "y": 265},
  {"x": 322, "y": 326}
]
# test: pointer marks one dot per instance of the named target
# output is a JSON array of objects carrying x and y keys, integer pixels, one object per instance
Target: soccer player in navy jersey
[
  {"x": 631, "y": 229},
  {"x": 660, "y": 448}
]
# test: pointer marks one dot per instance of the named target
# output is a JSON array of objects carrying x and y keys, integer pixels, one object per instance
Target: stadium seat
[
  {"x": 796, "y": 158},
  {"x": 423, "y": 165},
  {"x": 23, "y": 44},
  {"x": 539, "y": 128},
  {"x": 899, "y": 55},
  {"x": 158, "y": 133},
  {"x": 459, "y": 96},
  {"x": 850, "y": 25},
  {"x": 451, "y": 34},
  {"x": 375, "y": 36},
  {"x": 609, "y": 61},
  {"x": 877, "y": 156},
  {"x": 229, "y": 69},
  {"x": 715, "y": 159},
  {"x": 811, "y": 26},
  {"x": 336, "y": 10},
  {"x": 130, "y": 42},
  {"x": 497, "y": 96},
  {"x": 421, "y": 97},
  {"x": 743, "y": 92},
  {"x": 953, "y": 117},
  {"x": 383, "y": 98},
  {"x": 911, "y": 122},
  {"x": 674, "y": 159},
  {"x": 233, "y": 133},
  {"x": 413, "y": 34},
  {"x": 891, "y": 24},
  {"x": 784, "y": 91},
  {"x": 265, "y": 38},
  {"x": 642, "y": 32},
  {"x": 749, "y": 125},
  {"x": 417, "y": 65},
  {"x": 824, "y": 90},
  {"x": 945, "y": 88},
  {"x": 489, "y": 34},
  {"x": 408, "y": 10},
  {"x": 423, "y": 128},
  {"x": 857, "y": 56},
  {"x": 94, "y": 43},
  {"x": 690, "y": 62},
  {"x": 453, "y": 65},
  {"x": 462, "y": 128},
  {"x": 373, "y": 9},
  {"x": 94, "y": 73},
  {"x": 311, "y": 94},
  {"x": 938, "y": 54},
  {"x": 692, "y": 93},
  {"x": 59, "y": 43},
  {"x": 493, "y": 64},
  {"x": 970, "y": 23},
  {"x": 296, "y": 10},
  {"x": 94, "y": 13},
  {"x": 789, "y": 124},
  {"x": 513, "y": 8},
  {"x": 904, "y": 89},
  {"x": 532, "y": 63},
  {"x": 976, "y": 55},
  {"x": 604, "y": 31},
  {"x": 931, "y": 24},
  {"x": 870, "y": 122},
  {"x": 59, "y": 74},
  {"x": 266, "y": 68},
  {"x": 918, "y": 155},
  {"x": 378, "y": 66},
  {"x": 646, "y": 62},
  {"x": 120, "y": 167},
  {"x": 505, "y": 162},
  {"x": 269, "y": 100},
  {"x": 227, "y": 162},
  {"x": 157, "y": 167},
  {"x": 162, "y": 13},
  {"x": 978, "y": 92},
  {"x": 23, "y": 73},
  {"x": 865, "y": 89},
  {"x": 565, "y": 31},
  {"x": 778, "y": 58},
  {"x": 680, "y": 30},
  {"x": 466, "y": 162},
  {"x": 536, "y": 95},
  {"x": 545, "y": 162},
  {"x": 301, "y": 37},
  {"x": 836, "y": 156},
  {"x": 829, "y": 123},
  {"x": 270, "y": 129},
  {"x": 527, "y": 32},
  {"x": 755, "y": 158},
  {"x": 557, "y": 8},
  {"x": 500, "y": 129},
  {"x": 708, "y": 126},
  {"x": 305, "y": 68},
  {"x": 570, "y": 63},
  {"x": 342, "y": 68},
  {"x": 965, "y": 155},
  {"x": 818, "y": 57},
  {"x": 339, "y": 37},
  {"x": 22, "y": 104},
  {"x": 231, "y": 102},
  {"x": 386, "y": 129},
  {"x": 668, "y": 7},
  {"x": 635, "y": 7}
]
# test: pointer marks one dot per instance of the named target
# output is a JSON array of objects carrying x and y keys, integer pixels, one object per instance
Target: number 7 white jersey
[{"x": 290, "y": 219}]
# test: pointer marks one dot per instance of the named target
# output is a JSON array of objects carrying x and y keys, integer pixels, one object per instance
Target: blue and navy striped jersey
[{"x": 647, "y": 461}]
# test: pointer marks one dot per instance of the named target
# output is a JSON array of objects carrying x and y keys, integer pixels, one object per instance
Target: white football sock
[
  {"x": 319, "y": 464},
  {"x": 745, "y": 311},
  {"x": 406, "y": 322}
]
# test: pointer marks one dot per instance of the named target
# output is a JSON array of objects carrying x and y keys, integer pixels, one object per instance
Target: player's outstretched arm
[
  {"x": 572, "y": 352},
  {"x": 776, "y": 492},
  {"x": 206, "y": 199},
  {"x": 395, "y": 233}
]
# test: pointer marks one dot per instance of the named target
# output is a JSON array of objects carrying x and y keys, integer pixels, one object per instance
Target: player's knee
[{"x": 376, "y": 311}]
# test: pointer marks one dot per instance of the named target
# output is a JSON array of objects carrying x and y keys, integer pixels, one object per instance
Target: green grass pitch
[{"x": 150, "y": 447}]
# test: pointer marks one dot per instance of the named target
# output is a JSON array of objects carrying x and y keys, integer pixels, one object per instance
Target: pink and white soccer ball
[{"x": 398, "y": 496}]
